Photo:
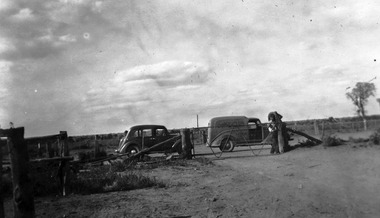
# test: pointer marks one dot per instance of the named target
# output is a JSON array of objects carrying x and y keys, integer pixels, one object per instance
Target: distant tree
[{"x": 359, "y": 97}]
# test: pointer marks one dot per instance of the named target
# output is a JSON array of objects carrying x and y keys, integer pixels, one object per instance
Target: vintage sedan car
[{"x": 146, "y": 136}]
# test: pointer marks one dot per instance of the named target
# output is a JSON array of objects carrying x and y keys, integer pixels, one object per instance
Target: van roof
[
  {"x": 147, "y": 126},
  {"x": 232, "y": 118}
]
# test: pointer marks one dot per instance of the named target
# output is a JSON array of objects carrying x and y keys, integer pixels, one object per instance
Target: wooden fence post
[
  {"x": 96, "y": 148},
  {"x": 316, "y": 129},
  {"x": 186, "y": 144},
  {"x": 59, "y": 148},
  {"x": 39, "y": 150},
  {"x": 49, "y": 150},
  {"x": 23, "y": 201},
  {"x": 54, "y": 148},
  {"x": 65, "y": 145},
  {"x": 2, "y": 215}
]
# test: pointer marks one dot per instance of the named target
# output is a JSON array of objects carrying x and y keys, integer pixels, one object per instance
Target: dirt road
[{"x": 338, "y": 181}]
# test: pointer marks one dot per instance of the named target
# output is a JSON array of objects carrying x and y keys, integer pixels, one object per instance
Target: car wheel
[
  {"x": 132, "y": 150},
  {"x": 227, "y": 145}
]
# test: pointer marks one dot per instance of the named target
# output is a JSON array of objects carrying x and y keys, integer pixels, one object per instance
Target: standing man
[
  {"x": 279, "y": 134},
  {"x": 272, "y": 126}
]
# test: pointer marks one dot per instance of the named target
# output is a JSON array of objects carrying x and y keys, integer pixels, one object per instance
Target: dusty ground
[{"x": 338, "y": 181}]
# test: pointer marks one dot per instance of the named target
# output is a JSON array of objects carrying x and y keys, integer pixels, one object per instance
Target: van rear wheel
[{"x": 227, "y": 145}]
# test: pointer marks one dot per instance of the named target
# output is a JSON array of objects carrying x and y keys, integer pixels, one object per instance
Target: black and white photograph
[{"x": 190, "y": 108}]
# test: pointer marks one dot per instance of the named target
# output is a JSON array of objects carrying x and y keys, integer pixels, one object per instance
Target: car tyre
[
  {"x": 227, "y": 145},
  {"x": 132, "y": 149}
]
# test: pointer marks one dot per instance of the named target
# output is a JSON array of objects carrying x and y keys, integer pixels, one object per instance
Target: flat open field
[{"x": 340, "y": 181}]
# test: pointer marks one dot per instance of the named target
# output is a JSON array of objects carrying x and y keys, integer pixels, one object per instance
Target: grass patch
[
  {"x": 357, "y": 140},
  {"x": 122, "y": 166},
  {"x": 204, "y": 161},
  {"x": 132, "y": 181},
  {"x": 85, "y": 155},
  {"x": 89, "y": 155},
  {"x": 156, "y": 162},
  {"x": 120, "y": 176},
  {"x": 101, "y": 153},
  {"x": 107, "y": 178}
]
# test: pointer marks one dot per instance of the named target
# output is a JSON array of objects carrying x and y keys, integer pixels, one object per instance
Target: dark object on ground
[
  {"x": 331, "y": 141},
  {"x": 375, "y": 137},
  {"x": 317, "y": 141}
]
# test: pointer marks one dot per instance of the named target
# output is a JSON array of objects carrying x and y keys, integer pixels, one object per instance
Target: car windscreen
[{"x": 134, "y": 134}]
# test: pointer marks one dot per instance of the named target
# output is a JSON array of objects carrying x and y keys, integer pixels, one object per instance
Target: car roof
[{"x": 148, "y": 126}]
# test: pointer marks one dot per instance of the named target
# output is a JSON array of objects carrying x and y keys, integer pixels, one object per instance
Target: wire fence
[
  {"x": 319, "y": 128},
  {"x": 316, "y": 128}
]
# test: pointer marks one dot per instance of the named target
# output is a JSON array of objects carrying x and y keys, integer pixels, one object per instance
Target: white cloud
[
  {"x": 5, "y": 81},
  {"x": 231, "y": 57},
  {"x": 74, "y": 2},
  {"x": 97, "y": 6},
  {"x": 68, "y": 38},
  {"x": 5, "y": 4},
  {"x": 5, "y": 45},
  {"x": 5, "y": 76},
  {"x": 48, "y": 36},
  {"x": 168, "y": 73},
  {"x": 24, "y": 14}
]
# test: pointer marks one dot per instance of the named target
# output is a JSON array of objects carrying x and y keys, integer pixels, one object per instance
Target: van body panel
[{"x": 243, "y": 131}]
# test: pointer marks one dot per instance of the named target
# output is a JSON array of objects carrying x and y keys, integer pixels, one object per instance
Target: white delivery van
[{"x": 227, "y": 132}]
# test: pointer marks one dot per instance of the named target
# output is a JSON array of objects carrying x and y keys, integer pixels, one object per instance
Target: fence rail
[
  {"x": 320, "y": 127},
  {"x": 316, "y": 128}
]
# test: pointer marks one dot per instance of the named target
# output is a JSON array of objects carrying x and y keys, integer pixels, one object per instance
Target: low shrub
[
  {"x": 45, "y": 178},
  {"x": 308, "y": 143},
  {"x": 132, "y": 181},
  {"x": 44, "y": 183},
  {"x": 375, "y": 138},
  {"x": 6, "y": 184},
  {"x": 88, "y": 155},
  {"x": 123, "y": 165},
  {"x": 101, "y": 153},
  {"x": 331, "y": 141},
  {"x": 85, "y": 155}
]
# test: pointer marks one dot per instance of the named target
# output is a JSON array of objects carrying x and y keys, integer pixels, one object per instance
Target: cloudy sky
[{"x": 102, "y": 66}]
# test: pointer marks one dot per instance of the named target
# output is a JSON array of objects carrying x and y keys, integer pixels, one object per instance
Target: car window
[
  {"x": 160, "y": 132},
  {"x": 147, "y": 133},
  {"x": 252, "y": 125}
]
